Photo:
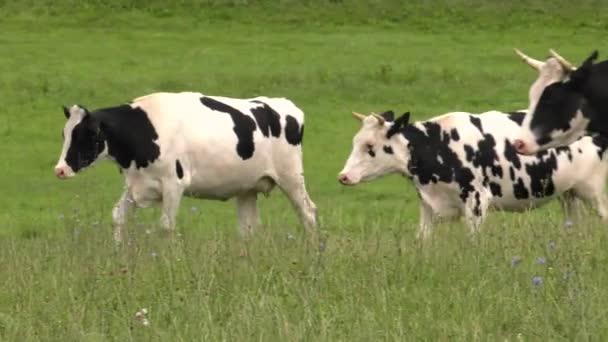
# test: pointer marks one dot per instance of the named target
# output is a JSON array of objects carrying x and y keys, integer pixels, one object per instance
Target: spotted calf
[{"x": 463, "y": 163}]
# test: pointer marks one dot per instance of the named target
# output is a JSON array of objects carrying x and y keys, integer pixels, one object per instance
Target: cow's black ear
[
  {"x": 398, "y": 124},
  {"x": 388, "y": 115},
  {"x": 66, "y": 112},
  {"x": 578, "y": 78}
]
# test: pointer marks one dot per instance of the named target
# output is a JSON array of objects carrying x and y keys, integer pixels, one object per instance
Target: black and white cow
[
  {"x": 565, "y": 103},
  {"x": 466, "y": 163},
  {"x": 173, "y": 144}
]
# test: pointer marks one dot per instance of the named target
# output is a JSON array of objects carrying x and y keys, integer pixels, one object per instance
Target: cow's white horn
[
  {"x": 567, "y": 65},
  {"x": 536, "y": 64},
  {"x": 358, "y": 116}
]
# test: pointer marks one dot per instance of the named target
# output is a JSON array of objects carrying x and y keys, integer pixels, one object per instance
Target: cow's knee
[{"x": 248, "y": 213}]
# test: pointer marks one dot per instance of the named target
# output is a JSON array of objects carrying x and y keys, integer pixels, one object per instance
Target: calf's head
[
  {"x": 83, "y": 142},
  {"x": 555, "y": 116},
  {"x": 377, "y": 150}
]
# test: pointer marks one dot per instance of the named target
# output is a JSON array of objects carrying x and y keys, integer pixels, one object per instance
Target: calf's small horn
[
  {"x": 380, "y": 118},
  {"x": 536, "y": 64},
  {"x": 358, "y": 116},
  {"x": 567, "y": 65}
]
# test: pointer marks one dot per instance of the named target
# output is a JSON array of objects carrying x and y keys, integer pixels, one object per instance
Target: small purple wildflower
[
  {"x": 568, "y": 224},
  {"x": 516, "y": 260},
  {"x": 322, "y": 246},
  {"x": 194, "y": 209},
  {"x": 551, "y": 244},
  {"x": 537, "y": 281},
  {"x": 541, "y": 260}
]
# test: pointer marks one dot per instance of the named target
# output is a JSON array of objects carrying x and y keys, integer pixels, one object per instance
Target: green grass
[{"x": 63, "y": 279}]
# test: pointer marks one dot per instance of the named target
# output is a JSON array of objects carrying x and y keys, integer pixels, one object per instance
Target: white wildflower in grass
[{"x": 140, "y": 316}]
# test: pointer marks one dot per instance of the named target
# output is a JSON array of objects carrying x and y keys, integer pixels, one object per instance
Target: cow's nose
[
  {"x": 59, "y": 172},
  {"x": 520, "y": 146},
  {"x": 343, "y": 178}
]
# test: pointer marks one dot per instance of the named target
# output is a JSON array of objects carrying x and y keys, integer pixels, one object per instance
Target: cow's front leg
[
  {"x": 426, "y": 220},
  {"x": 172, "y": 195},
  {"x": 247, "y": 208},
  {"x": 119, "y": 214},
  {"x": 475, "y": 210}
]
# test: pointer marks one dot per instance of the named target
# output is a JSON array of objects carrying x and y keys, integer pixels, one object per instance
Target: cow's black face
[
  {"x": 557, "y": 119},
  {"x": 83, "y": 142},
  {"x": 560, "y": 116}
]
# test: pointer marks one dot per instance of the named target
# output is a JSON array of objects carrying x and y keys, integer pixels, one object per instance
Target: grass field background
[{"x": 62, "y": 277}]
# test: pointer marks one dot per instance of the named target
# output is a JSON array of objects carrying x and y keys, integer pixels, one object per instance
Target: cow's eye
[{"x": 369, "y": 147}]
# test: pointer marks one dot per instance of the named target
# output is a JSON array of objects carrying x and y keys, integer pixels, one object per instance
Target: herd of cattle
[{"x": 170, "y": 145}]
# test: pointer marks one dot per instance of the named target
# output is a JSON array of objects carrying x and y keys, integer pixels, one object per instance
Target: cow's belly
[
  {"x": 442, "y": 198},
  {"x": 518, "y": 205},
  {"x": 225, "y": 189}
]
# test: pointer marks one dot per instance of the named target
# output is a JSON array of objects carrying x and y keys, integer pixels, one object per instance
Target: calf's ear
[
  {"x": 579, "y": 77},
  {"x": 66, "y": 112},
  {"x": 388, "y": 115},
  {"x": 398, "y": 124}
]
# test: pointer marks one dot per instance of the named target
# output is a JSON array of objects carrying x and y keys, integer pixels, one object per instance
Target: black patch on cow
[
  {"x": 602, "y": 143},
  {"x": 244, "y": 126},
  {"x": 517, "y": 117},
  {"x": 519, "y": 190},
  {"x": 541, "y": 172},
  {"x": 512, "y": 173},
  {"x": 130, "y": 135},
  {"x": 454, "y": 134},
  {"x": 87, "y": 143},
  {"x": 269, "y": 121},
  {"x": 579, "y": 150},
  {"x": 387, "y": 149},
  {"x": 566, "y": 150},
  {"x": 476, "y": 122},
  {"x": 178, "y": 169},
  {"x": 293, "y": 131},
  {"x": 496, "y": 189},
  {"x": 469, "y": 152},
  {"x": 511, "y": 154},
  {"x": 427, "y": 147}
]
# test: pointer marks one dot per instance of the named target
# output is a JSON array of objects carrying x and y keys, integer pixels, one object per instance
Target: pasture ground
[{"x": 63, "y": 279}]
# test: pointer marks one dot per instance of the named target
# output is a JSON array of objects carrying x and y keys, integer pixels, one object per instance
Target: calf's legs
[
  {"x": 172, "y": 195},
  {"x": 426, "y": 220}
]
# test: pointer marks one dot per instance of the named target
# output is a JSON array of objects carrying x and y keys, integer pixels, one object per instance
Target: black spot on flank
[
  {"x": 541, "y": 175},
  {"x": 244, "y": 126},
  {"x": 476, "y": 122},
  {"x": 519, "y": 190},
  {"x": 178, "y": 169},
  {"x": 268, "y": 119},
  {"x": 512, "y": 173},
  {"x": 454, "y": 134},
  {"x": 470, "y": 153},
  {"x": 512, "y": 155},
  {"x": 432, "y": 160},
  {"x": 495, "y": 189},
  {"x": 387, "y": 149},
  {"x": 579, "y": 150},
  {"x": 293, "y": 131},
  {"x": 130, "y": 135},
  {"x": 517, "y": 117}
]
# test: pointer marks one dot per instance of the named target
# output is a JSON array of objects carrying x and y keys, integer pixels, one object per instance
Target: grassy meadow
[{"x": 62, "y": 278}]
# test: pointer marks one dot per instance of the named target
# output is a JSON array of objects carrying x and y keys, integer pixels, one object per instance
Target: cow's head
[
  {"x": 83, "y": 142},
  {"x": 556, "y": 98},
  {"x": 376, "y": 149}
]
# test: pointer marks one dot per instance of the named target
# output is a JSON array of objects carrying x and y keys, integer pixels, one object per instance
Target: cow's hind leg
[
  {"x": 172, "y": 195},
  {"x": 119, "y": 214},
  {"x": 247, "y": 208},
  {"x": 570, "y": 206},
  {"x": 294, "y": 187}
]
